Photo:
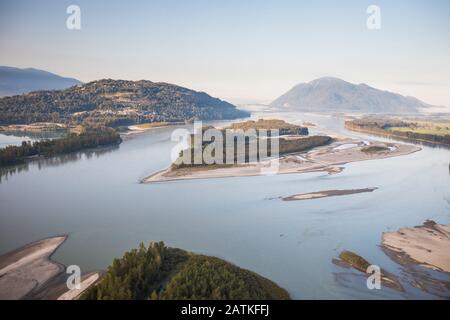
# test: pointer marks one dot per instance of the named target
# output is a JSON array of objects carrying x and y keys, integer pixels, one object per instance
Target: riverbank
[
  {"x": 401, "y": 133},
  {"x": 326, "y": 158}
]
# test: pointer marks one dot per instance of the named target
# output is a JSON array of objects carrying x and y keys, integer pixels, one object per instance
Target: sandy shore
[
  {"x": 427, "y": 245},
  {"x": 27, "y": 269},
  {"x": 141, "y": 128},
  {"x": 326, "y": 158},
  {"x": 86, "y": 281},
  {"x": 29, "y": 273},
  {"x": 327, "y": 193}
]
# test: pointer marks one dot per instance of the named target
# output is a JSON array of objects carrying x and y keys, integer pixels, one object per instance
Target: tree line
[
  {"x": 89, "y": 138},
  {"x": 163, "y": 273}
]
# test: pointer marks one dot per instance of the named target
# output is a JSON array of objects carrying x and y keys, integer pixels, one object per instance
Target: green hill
[
  {"x": 159, "y": 272},
  {"x": 116, "y": 102}
]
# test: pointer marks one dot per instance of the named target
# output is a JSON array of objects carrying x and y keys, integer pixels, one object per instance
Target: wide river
[{"x": 97, "y": 200}]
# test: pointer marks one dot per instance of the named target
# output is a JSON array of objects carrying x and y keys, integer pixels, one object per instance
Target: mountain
[
  {"x": 15, "y": 81},
  {"x": 116, "y": 102},
  {"x": 336, "y": 95}
]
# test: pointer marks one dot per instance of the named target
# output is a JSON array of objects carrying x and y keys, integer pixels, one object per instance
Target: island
[
  {"x": 422, "y": 252},
  {"x": 349, "y": 259},
  {"x": 297, "y": 154}
]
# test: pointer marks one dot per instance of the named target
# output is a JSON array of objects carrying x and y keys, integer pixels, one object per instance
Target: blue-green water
[{"x": 97, "y": 200}]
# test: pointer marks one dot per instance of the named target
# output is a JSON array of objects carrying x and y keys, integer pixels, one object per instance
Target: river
[{"x": 95, "y": 197}]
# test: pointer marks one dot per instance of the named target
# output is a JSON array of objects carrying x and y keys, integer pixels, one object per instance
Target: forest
[
  {"x": 158, "y": 272},
  {"x": 285, "y": 146},
  {"x": 89, "y": 137}
]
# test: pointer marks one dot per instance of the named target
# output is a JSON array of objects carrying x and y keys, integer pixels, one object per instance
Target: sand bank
[
  {"x": 427, "y": 245},
  {"x": 327, "y": 193},
  {"x": 27, "y": 269}
]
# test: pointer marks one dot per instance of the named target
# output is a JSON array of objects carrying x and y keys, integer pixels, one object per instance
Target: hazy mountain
[
  {"x": 116, "y": 102},
  {"x": 15, "y": 81},
  {"x": 336, "y": 95}
]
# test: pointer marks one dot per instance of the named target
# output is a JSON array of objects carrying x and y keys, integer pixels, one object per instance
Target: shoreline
[
  {"x": 29, "y": 272},
  {"x": 135, "y": 129}
]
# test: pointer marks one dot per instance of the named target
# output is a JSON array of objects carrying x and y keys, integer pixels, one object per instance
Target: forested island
[
  {"x": 158, "y": 272},
  {"x": 88, "y": 137},
  {"x": 114, "y": 103},
  {"x": 432, "y": 132},
  {"x": 296, "y": 142}
]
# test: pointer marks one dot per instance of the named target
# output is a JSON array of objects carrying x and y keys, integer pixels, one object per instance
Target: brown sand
[
  {"x": 427, "y": 245},
  {"x": 28, "y": 268},
  {"x": 327, "y": 193}
]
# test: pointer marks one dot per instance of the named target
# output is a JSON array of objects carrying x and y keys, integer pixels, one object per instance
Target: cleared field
[{"x": 426, "y": 127}]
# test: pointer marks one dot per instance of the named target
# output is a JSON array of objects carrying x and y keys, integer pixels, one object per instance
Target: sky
[{"x": 243, "y": 51}]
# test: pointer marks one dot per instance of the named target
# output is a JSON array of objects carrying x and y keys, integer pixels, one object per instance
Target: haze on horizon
[{"x": 242, "y": 51}]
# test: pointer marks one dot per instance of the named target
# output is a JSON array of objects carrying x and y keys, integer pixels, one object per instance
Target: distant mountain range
[
  {"x": 116, "y": 102},
  {"x": 335, "y": 95},
  {"x": 15, "y": 81}
]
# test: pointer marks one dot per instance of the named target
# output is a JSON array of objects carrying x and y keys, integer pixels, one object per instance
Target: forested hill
[
  {"x": 158, "y": 272},
  {"x": 116, "y": 102}
]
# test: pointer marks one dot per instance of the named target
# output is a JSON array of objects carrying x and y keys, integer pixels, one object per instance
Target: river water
[{"x": 95, "y": 197}]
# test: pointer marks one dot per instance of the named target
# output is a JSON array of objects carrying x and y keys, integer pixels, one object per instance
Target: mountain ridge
[
  {"x": 331, "y": 94},
  {"x": 15, "y": 81}
]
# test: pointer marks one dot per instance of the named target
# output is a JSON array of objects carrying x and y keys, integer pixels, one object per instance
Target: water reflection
[{"x": 42, "y": 163}]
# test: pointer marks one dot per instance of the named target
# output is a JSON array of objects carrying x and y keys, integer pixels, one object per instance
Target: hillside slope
[{"x": 116, "y": 102}]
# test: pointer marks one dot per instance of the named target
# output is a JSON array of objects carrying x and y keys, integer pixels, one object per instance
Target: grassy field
[{"x": 425, "y": 127}]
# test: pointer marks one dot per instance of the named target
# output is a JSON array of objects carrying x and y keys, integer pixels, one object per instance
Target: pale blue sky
[{"x": 236, "y": 50}]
